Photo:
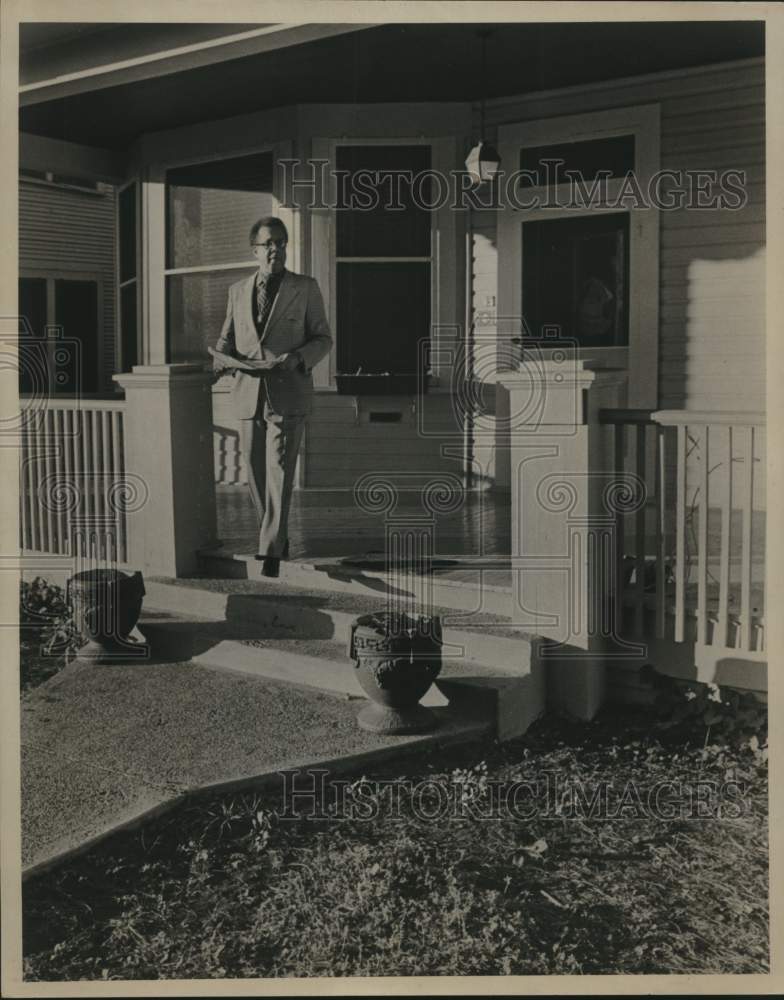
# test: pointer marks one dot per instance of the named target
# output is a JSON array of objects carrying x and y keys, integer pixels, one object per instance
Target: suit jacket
[{"x": 297, "y": 323}]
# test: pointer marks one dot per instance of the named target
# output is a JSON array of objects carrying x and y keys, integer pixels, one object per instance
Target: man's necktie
[{"x": 265, "y": 295}]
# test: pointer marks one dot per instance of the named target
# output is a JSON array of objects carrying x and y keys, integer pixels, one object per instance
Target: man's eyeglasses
[{"x": 279, "y": 244}]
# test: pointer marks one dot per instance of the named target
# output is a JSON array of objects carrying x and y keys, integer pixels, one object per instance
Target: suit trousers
[{"x": 270, "y": 442}]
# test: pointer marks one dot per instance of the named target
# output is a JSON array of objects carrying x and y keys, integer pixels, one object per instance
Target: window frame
[
  {"x": 136, "y": 280},
  {"x": 443, "y": 250},
  {"x": 640, "y": 357},
  {"x": 533, "y": 330},
  {"x": 238, "y": 266},
  {"x": 336, "y": 259},
  {"x": 154, "y": 313},
  {"x": 63, "y": 274}
]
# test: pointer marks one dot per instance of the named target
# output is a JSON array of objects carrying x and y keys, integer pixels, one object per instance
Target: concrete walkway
[{"x": 106, "y": 746}]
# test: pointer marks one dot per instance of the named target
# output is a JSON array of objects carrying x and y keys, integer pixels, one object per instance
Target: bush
[
  {"x": 47, "y": 633},
  {"x": 708, "y": 713}
]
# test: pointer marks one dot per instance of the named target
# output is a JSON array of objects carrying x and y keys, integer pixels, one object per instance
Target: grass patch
[
  {"x": 228, "y": 887},
  {"x": 35, "y": 664}
]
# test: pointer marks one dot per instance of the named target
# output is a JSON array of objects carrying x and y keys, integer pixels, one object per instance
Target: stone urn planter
[
  {"x": 397, "y": 657},
  {"x": 106, "y": 606}
]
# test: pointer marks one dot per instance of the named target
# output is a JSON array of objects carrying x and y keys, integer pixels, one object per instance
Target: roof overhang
[
  {"x": 125, "y": 60},
  {"x": 110, "y": 86}
]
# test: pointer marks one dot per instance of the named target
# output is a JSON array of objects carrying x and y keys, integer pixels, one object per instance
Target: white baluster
[
  {"x": 680, "y": 537},
  {"x": 747, "y": 510},
  {"x": 702, "y": 539}
]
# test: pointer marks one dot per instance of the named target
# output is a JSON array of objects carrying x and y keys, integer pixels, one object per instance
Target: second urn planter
[
  {"x": 397, "y": 657},
  {"x": 106, "y": 606}
]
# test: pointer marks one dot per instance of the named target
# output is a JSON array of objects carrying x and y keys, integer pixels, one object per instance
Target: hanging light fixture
[{"x": 483, "y": 161}]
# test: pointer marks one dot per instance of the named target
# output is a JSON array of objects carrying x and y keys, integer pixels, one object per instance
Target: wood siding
[
  {"x": 343, "y": 442},
  {"x": 62, "y": 231},
  {"x": 712, "y": 268}
]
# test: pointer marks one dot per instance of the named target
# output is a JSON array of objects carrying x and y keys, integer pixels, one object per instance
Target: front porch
[
  {"x": 460, "y": 493},
  {"x": 689, "y": 575}
]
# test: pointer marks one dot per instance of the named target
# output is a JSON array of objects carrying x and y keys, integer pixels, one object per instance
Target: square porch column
[
  {"x": 168, "y": 437},
  {"x": 563, "y": 520}
]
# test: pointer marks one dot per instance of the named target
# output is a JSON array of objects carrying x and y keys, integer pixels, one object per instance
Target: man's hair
[{"x": 271, "y": 222}]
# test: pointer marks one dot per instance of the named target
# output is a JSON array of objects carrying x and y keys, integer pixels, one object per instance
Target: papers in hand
[{"x": 244, "y": 364}]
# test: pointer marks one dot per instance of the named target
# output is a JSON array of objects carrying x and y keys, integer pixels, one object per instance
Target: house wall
[
  {"x": 348, "y": 438},
  {"x": 343, "y": 441},
  {"x": 63, "y": 230},
  {"x": 711, "y": 262},
  {"x": 711, "y": 346}
]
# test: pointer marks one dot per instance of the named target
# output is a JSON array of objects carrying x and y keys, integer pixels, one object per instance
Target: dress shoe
[{"x": 270, "y": 566}]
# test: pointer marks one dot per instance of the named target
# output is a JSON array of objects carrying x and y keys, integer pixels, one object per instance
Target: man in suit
[{"x": 273, "y": 314}]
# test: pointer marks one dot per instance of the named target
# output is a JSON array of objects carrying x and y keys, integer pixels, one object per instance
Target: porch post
[
  {"x": 169, "y": 446},
  {"x": 562, "y": 521}
]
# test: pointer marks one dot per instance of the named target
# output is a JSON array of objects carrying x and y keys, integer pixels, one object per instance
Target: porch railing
[
  {"x": 72, "y": 478},
  {"x": 690, "y": 562}
]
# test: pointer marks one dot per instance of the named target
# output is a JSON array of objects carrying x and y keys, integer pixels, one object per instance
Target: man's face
[{"x": 269, "y": 249}]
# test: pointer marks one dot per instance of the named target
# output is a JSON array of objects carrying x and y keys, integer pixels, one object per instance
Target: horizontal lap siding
[
  {"x": 338, "y": 449},
  {"x": 712, "y": 299},
  {"x": 342, "y": 445},
  {"x": 63, "y": 230},
  {"x": 712, "y": 268}
]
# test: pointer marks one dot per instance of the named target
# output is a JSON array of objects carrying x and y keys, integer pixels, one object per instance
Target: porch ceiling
[{"x": 400, "y": 62}]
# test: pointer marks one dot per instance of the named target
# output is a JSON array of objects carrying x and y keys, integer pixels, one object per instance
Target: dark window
[
  {"x": 33, "y": 376},
  {"x": 129, "y": 283},
  {"x": 376, "y": 338},
  {"x": 383, "y": 177},
  {"x": 129, "y": 327},
  {"x": 575, "y": 279},
  {"x": 67, "y": 361},
  {"x": 586, "y": 159},
  {"x": 76, "y": 311},
  {"x": 127, "y": 227},
  {"x": 383, "y": 269}
]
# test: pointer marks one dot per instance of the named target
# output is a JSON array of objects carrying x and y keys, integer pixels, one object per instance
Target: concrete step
[
  {"x": 283, "y": 636},
  {"x": 312, "y": 613},
  {"x": 458, "y": 582}
]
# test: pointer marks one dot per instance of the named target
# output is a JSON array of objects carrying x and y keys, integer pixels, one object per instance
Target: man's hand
[
  {"x": 219, "y": 369},
  {"x": 290, "y": 362}
]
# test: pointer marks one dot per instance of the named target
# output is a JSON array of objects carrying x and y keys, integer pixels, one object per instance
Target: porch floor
[
  {"x": 329, "y": 524},
  {"x": 471, "y": 545}
]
